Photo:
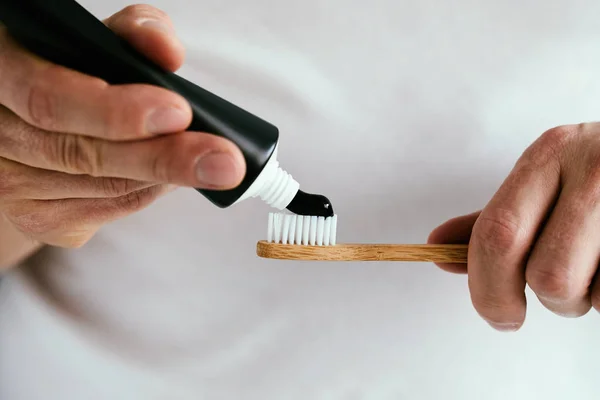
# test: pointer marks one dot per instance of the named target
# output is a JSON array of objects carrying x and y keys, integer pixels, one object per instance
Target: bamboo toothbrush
[{"x": 296, "y": 237}]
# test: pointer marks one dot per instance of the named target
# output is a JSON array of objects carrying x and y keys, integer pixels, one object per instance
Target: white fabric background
[{"x": 404, "y": 114}]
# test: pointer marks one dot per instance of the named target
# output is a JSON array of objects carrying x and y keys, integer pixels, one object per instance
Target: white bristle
[
  {"x": 305, "y": 229},
  {"x": 299, "y": 229},
  {"x": 292, "y": 234},
  {"x": 277, "y": 222},
  {"x": 326, "y": 232},
  {"x": 320, "y": 229},
  {"x": 302, "y": 230},
  {"x": 333, "y": 234},
  {"x": 270, "y": 234},
  {"x": 285, "y": 232},
  {"x": 313, "y": 231}
]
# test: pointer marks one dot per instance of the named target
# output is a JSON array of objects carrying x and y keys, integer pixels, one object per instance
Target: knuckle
[
  {"x": 589, "y": 193},
  {"x": 499, "y": 231},
  {"x": 160, "y": 169},
  {"x": 163, "y": 164},
  {"x": 42, "y": 104},
  {"x": 549, "y": 147},
  {"x": 77, "y": 154},
  {"x": 550, "y": 283},
  {"x": 584, "y": 129},
  {"x": 115, "y": 187},
  {"x": 122, "y": 117},
  {"x": 560, "y": 136},
  {"x": 178, "y": 154},
  {"x": 138, "y": 200}
]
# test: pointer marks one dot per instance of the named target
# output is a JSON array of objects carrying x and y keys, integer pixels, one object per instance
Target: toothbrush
[
  {"x": 63, "y": 32},
  {"x": 436, "y": 253},
  {"x": 292, "y": 237}
]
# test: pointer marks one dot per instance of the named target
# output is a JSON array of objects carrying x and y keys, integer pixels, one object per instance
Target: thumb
[
  {"x": 151, "y": 32},
  {"x": 455, "y": 231}
]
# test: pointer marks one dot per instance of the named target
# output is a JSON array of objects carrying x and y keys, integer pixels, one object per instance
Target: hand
[
  {"x": 542, "y": 228},
  {"x": 76, "y": 153}
]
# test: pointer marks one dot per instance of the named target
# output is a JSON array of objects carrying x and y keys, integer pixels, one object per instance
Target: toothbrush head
[{"x": 307, "y": 230}]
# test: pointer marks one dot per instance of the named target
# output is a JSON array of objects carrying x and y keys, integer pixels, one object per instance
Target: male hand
[
  {"x": 542, "y": 229},
  {"x": 76, "y": 153}
]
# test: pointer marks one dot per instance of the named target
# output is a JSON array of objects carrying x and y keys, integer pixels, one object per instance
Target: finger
[
  {"x": 563, "y": 263},
  {"x": 151, "y": 32},
  {"x": 505, "y": 232},
  {"x": 193, "y": 159},
  {"x": 190, "y": 159},
  {"x": 19, "y": 181},
  {"x": 71, "y": 222},
  {"x": 58, "y": 99},
  {"x": 595, "y": 291},
  {"x": 455, "y": 231}
]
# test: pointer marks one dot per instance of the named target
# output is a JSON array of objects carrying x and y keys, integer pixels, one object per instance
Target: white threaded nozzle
[
  {"x": 280, "y": 191},
  {"x": 274, "y": 186}
]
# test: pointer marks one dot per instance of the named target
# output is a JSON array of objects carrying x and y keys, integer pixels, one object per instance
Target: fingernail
[
  {"x": 218, "y": 170},
  {"x": 156, "y": 25},
  {"x": 505, "y": 327},
  {"x": 167, "y": 120}
]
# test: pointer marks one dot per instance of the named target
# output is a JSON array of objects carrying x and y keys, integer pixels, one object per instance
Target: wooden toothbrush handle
[{"x": 438, "y": 253}]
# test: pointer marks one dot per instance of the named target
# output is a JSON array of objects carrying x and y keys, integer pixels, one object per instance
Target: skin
[
  {"x": 539, "y": 229},
  {"x": 77, "y": 153}
]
